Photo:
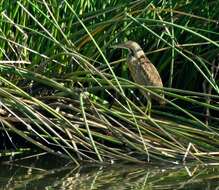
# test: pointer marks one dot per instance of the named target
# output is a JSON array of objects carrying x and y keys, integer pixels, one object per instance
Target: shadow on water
[{"x": 49, "y": 173}]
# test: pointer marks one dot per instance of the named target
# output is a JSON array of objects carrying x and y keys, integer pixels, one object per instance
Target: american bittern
[{"x": 142, "y": 71}]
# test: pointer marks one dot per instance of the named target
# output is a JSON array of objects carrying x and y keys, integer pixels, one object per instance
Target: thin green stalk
[{"x": 87, "y": 127}]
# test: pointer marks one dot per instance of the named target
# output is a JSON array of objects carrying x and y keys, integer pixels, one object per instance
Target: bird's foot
[{"x": 148, "y": 109}]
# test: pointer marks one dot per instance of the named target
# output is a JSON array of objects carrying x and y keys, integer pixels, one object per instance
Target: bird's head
[{"x": 133, "y": 48}]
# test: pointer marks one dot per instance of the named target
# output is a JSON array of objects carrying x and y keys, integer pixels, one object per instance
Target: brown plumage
[{"x": 142, "y": 70}]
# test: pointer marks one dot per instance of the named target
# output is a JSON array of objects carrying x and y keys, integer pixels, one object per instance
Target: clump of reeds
[{"x": 65, "y": 91}]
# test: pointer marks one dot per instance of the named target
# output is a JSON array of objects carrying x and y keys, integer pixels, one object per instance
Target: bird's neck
[{"x": 139, "y": 53}]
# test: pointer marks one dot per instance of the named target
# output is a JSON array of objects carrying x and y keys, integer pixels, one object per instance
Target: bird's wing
[{"x": 152, "y": 75}]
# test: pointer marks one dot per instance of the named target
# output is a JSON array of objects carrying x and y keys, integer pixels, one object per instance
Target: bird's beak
[{"x": 121, "y": 46}]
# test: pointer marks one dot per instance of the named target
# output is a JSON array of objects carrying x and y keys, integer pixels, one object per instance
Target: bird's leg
[{"x": 148, "y": 107}]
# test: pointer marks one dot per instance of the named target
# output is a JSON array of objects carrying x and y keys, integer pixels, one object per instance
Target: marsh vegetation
[{"x": 65, "y": 91}]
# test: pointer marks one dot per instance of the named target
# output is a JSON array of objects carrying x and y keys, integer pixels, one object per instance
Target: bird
[{"x": 142, "y": 71}]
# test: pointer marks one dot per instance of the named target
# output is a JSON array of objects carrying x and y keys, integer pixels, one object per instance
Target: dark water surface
[{"x": 48, "y": 173}]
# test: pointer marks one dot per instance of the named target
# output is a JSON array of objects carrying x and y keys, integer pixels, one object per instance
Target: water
[{"x": 49, "y": 173}]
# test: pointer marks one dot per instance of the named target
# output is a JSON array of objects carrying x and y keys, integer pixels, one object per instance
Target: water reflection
[{"x": 47, "y": 173}]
